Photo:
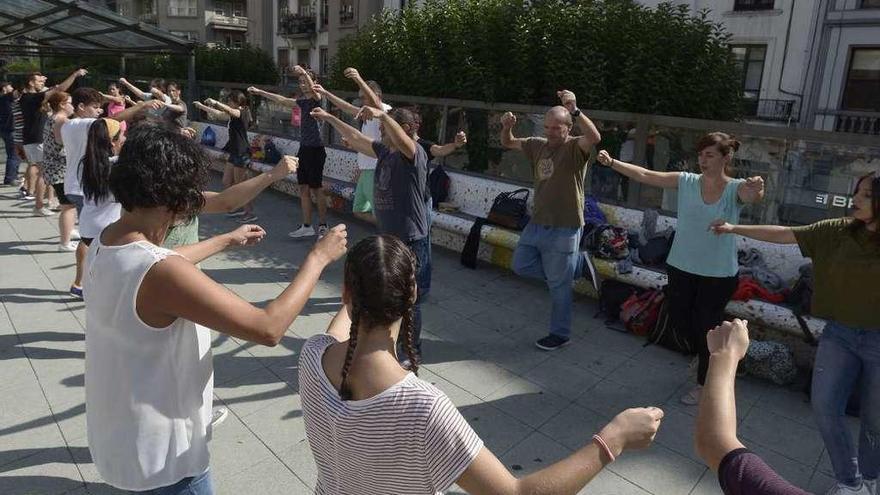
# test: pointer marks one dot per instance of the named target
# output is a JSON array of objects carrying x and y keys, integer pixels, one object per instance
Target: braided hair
[{"x": 380, "y": 276}]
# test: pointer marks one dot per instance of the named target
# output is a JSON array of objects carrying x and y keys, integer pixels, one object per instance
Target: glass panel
[
  {"x": 80, "y": 24},
  {"x": 757, "y": 53},
  {"x": 753, "y": 76},
  {"x": 24, "y": 8},
  {"x": 125, "y": 39},
  {"x": 862, "y": 90}
]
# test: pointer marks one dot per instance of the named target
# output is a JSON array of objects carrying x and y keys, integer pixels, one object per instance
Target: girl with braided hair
[{"x": 374, "y": 427}]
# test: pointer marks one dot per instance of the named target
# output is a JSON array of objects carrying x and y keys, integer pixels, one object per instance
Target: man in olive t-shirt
[{"x": 548, "y": 246}]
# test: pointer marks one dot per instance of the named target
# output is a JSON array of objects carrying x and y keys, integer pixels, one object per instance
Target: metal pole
[
  {"x": 122, "y": 70},
  {"x": 192, "y": 90}
]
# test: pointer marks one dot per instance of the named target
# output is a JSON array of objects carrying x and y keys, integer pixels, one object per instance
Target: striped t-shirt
[{"x": 409, "y": 439}]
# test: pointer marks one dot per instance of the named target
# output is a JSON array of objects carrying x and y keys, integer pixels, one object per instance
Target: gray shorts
[{"x": 34, "y": 152}]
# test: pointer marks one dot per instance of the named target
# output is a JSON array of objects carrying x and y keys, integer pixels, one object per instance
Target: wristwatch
[{"x": 576, "y": 112}]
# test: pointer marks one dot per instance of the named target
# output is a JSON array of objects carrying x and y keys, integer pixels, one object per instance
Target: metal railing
[
  {"x": 225, "y": 20},
  {"x": 858, "y": 122},
  {"x": 771, "y": 110},
  {"x": 290, "y": 24}
]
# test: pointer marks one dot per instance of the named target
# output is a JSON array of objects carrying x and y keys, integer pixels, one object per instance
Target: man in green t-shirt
[{"x": 548, "y": 246}]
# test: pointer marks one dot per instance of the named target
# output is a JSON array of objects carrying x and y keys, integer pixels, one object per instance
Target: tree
[{"x": 615, "y": 54}]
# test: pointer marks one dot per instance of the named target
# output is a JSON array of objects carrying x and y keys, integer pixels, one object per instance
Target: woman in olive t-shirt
[{"x": 846, "y": 266}]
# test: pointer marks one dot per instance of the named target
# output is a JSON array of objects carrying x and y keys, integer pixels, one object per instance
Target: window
[
  {"x": 870, "y": 4},
  {"x": 325, "y": 12},
  {"x": 182, "y": 8},
  {"x": 750, "y": 60},
  {"x": 187, "y": 35},
  {"x": 752, "y": 4},
  {"x": 238, "y": 9},
  {"x": 322, "y": 61},
  {"x": 862, "y": 89},
  {"x": 283, "y": 59},
  {"x": 346, "y": 12},
  {"x": 147, "y": 6},
  {"x": 302, "y": 57}
]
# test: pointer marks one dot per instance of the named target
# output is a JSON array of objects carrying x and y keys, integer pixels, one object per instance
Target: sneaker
[
  {"x": 22, "y": 193},
  {"x": 54, "y": 205},
  {"x": 43, "y": 212},
  {"x": 843, "y": 489},
  {"x": 322, "y": 230},
  {"x": 302, "y": 231},
  {"x": 74, "y": 234},
  {"x": 235, "y": 213},
  {"x": 70, "y": 246},
  {"x": 218, "y": 415},
  {"x": 692, "y": 398},
  {"x": 76, "y": 291},
  {"x": 590, "y": 271},
  {"x": 551, "y": 342},
  {"x": 27, "y": 196},
  {"x": 248, "y": 218}
]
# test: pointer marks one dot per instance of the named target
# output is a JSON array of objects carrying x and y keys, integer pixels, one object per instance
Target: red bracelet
[{"x": 604, "y": 447}]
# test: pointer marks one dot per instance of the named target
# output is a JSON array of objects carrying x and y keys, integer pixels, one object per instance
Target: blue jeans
[
  {"x": 194, "y": 485},
  {"x": 844, "y": 354},
  {"x": 12, "y": 159},
  {"x": 551, "y": 254},
  {"x": 422, "y": 250}
]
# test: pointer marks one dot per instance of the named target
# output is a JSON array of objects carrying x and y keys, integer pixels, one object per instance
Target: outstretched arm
[
  {"x": 115, "y": 99},
  {"x": 508, "y": 120},
  {"x": 276, "y": 98},
  {"x": 131, "y": 87},
  {"x": 238, "y": 195},
  {"x": 335, "y": 100},
  {"x": 130, "y": 112},
  {"x": 300, "y": 72},
  {"x": 232, "y": 112},
  {"x": 65, "y": 84},
  {"x": 769, "y": 233},
  {"x": 589, "y": 133},
  {"x": 246, "y": 235},
  {"x": 213, "y": 113},
  {"x": 356, "y": 139},
  {"x": 399, "y": 137},
  {"x": 666, "y": 180},
  {"x": 447, "y": 149}
]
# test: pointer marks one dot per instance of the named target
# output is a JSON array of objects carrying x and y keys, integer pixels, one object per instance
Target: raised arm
[
  {"x": 752, "y": 190},
  {"x": 508, "y": 120},
  {"x": 213, "y": 113},
  {"x": 335, "y": 100},
  {"x": 399, "y": 137},
  {"x": 310, "y": 83},
  {"x": 356, "y": 139},
  {"x": 65, "y": 84},
  {"x": 715, "y": 435},
  {"x": 666, "y": 180},
  {"x": 246, "y": 235},
  {"x": 115, "y": 99},
  {"x": 370, "y": 96},
  {"x": 631, "y": 429},
  {"x": 232, "y": 112},
  {"x": 238, "y": 195},
  {"x": 276, "y": 98},
  {"x": 449, "y": 148},
  {"x": 175, "y": 288},
  {"x": 340, "y": 326},
  {"x": 770, "y": 233},
  {"x": 132, "y": 88},
  {"x": 589, "y": 133}
]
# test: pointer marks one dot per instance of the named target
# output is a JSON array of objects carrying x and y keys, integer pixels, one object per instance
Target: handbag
[{"x": 510, "y": 209}]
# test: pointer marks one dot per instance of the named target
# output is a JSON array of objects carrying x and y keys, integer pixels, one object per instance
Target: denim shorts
[{"x": 240, "y": 160}]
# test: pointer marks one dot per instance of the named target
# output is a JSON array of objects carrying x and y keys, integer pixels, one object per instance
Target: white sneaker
[
  {"x": 692, "y": 398},
  {"x": 70, "y": 246},
  {"x": 74, "y": 234},
  {"x": 302, "y": 231},
  {"x": 43, "y": 212},
  {"x": 218, "y": 415},
  {"x": 841, "y": 489}
]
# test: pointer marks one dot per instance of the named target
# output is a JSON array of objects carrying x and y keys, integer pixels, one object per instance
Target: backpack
[
  {"x": 800, "y": 299},
  {"x": 656, "y": 250},
  {"x": 209, "y": 137},
  {"x": 609, "y": 242},
  {"x": 666, "y": 334},
  {"x": 639, "y": 313},
  {"x": 612, "y": 295},
  {"x": 272, "y": 155},
  {"x": 439, "y": 184},
  {"x": 510, "y": 209},
  {"x": 772, "y": 361}
]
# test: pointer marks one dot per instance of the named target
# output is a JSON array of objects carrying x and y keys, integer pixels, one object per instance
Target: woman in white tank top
[
  {"x": 149, "y": 377},
  {"x": 375, "y": 428}
]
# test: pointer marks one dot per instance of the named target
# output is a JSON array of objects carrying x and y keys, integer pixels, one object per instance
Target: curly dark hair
[
  {"x": 158, "y": 166},
  {"x": 380, "y": 278}
]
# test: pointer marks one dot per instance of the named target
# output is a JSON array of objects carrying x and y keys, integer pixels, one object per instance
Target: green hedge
[{"x": 614, "y": 54}]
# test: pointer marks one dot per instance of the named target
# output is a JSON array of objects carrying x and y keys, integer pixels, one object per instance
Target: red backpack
[{"x": 639, "y": 313}]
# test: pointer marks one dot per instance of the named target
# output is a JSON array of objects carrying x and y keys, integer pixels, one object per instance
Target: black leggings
[{"x": 696, "y": 305}]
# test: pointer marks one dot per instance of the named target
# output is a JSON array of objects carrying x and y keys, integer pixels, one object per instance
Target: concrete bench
[{"x": 450, "y": 230}]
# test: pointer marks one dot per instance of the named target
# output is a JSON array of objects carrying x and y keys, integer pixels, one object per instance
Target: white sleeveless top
[{"x": 149, "y": 390}]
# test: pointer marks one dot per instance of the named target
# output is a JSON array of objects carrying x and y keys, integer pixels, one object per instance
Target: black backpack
[
  {"x": 800, "y": 299},
  {"x": 438, "y": 184},
  {"x": 510, "y": 209},
  {"x": 612, "y": 294}
]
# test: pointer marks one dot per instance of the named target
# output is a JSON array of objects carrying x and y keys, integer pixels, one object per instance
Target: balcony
[
  {"x": 300, "y": 25},
  {"x": 149, "y": 18},
  {"x": 856, "y": 122},
  {"x": 222, "y": 21},
  {"x": 771, "y": 110}
]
